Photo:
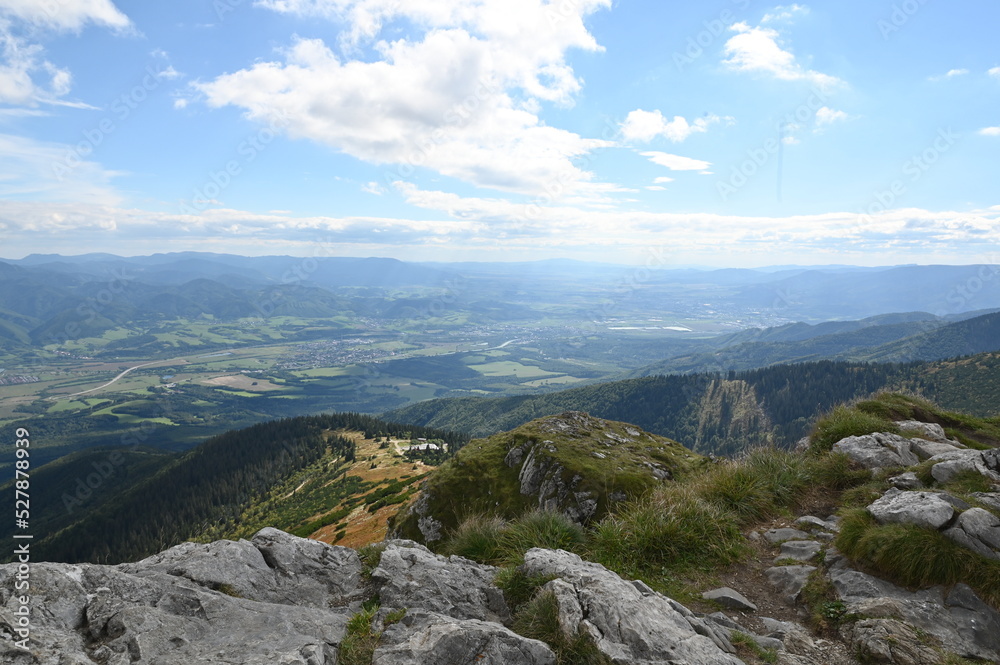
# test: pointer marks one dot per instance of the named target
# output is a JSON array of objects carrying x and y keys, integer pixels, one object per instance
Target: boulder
[
  {"x": 928, "y": 431},
  {"x": 137, "y": 613},
  {"x": 924, "y": 609},
  {"x": 878, "y": 451},
  {"x": 799, "y": 550},
  {"x": 776, "y": 536},
  {"x": 729, "y": 598},
  {"x": 427, "y": 638},
  {"x": 413, "y": 577},
  {"x": 275, "y": 567},
  {"x": 950, "y": 464},
  {"x": 628, "y": 625},
  {"x": 789, "y": 580},
  {"x": 925, "y": 509},
  {"x": 889, "y": 641},
  {"x": 906, "y": 481},
  {"x": 979, "y": 531},
  {"x": 928, "y": 449}
]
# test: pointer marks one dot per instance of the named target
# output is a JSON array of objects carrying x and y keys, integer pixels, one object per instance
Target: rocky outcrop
[
  {"x": 427, "y": 638},
  {"x": 630, "y": 623},
  {"x": 972, "y": 527},
  {"x": 278, "y": 599},
  {"x": 571, "y": 463},
  {"x": 409, "y": 575},
  {"x": 878, "y": 451},
  {"x": 945, "y": 617}
]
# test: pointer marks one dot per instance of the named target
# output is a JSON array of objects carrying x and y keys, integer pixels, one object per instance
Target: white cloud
[
  {"x": 644, "y": 126},
  {"x": 52, "y": 172},
  {"x": 462, "y": 99},
  {"x": 27, "y": 78},
  {"x": 65, "y": 14},
  {"x": 756, "y": 50},
  {"x": 474, "y": 225},
  {"x": 662, "y": 180},
  {"x": 827, "y": 116},
  {"x": 676, "y": 162},
  {"x": 994, "y": 72},
  {"x": 784, "y": 13},
  {"x": 373, "y": 188},
  {"x": 990, "y": 131},
  {"x": 951, "y": 73},
  {"x": 656, "y": 188}
]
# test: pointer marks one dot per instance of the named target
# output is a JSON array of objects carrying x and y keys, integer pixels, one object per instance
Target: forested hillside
[
  {"x": 161, "y": 502},
  {"x": 723, "y": 413}
]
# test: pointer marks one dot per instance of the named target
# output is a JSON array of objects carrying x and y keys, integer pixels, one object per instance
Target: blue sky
[{"x": 729, "y": 133}]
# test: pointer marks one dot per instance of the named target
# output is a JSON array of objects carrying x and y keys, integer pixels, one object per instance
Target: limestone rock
[
  {"x": 925, "y": 509},
  {"x": 426, "y": 638},
  {"x": 780, "y": 535},
  {"x": 925, "y": 609},
  {"x": 799, "y": 550},
  {"x": 878, "y": 451},
  {"x": 928, "y": 449},
  {"x": 789, "y": 580},
  {"x": 151, "y": 613},
  {"x": 978, "y": 530},
  {"x": 950, "y": 464},
  {"x": 906, "y": 481},
  {"x": 928, "y": 431},
  {"x": 889, "y": 641},
  {"x": 729, "y": 598},
  {"x": 413, "y": 577},
  {"x": 629, "y": 626}
]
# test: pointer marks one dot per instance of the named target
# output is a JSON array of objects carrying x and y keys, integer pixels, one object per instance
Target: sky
[{"x": 732, "y": 133}]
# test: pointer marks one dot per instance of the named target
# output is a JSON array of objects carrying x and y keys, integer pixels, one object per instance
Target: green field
[{"x": 511, "y": 368}]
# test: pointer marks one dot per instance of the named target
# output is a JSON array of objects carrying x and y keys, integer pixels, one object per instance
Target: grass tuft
[
  {"x": 489, "y": 539},
  {"x": 845, "y": 421},
  {"x": 749, "y": 650},
  {"x": 916, "y": 557},
  {"x": 539, "y": 619},
  {"x": 358, "y": 645}
]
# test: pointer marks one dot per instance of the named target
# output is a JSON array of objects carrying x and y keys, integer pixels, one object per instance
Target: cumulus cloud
[
  {"x": 644, "y": 126},
  {"x": 995, "y": 72},
  {"x": 756, "y": 50},
  {"x": 828, "y": 116},
  {"x": 990, "y": 131},
  {"x": 65, "y": 14},
  {"x": 461, "y": 99},
  {"x": 676, "y": 162},
  {"x": 27, "y": 77}
]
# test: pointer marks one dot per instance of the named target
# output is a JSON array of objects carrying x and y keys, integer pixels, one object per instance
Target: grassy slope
[{"x": 478, "y": 481}]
